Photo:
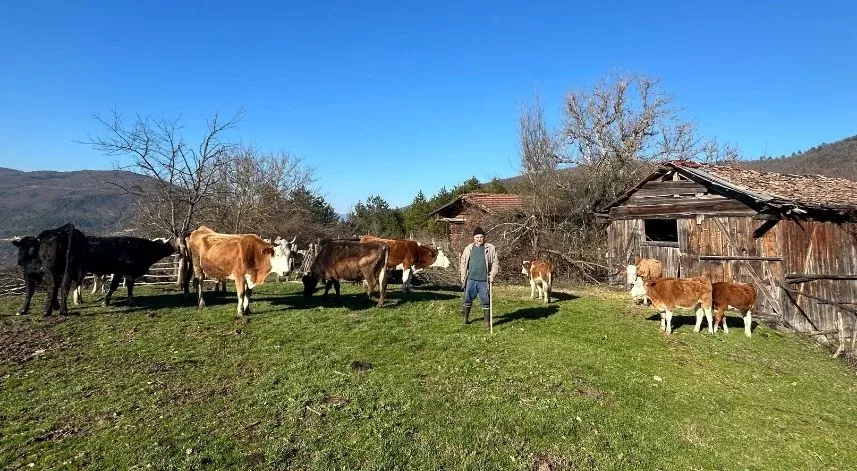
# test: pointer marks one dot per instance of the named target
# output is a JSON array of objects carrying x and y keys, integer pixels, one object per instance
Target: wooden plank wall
[
  {"x": 677, "y": 198},
  {"x": 817, "y": 248},
  {"x": 625, "y": 242}
]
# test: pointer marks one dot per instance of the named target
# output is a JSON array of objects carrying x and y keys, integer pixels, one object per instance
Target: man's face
[{"x": 479, "y": 239}]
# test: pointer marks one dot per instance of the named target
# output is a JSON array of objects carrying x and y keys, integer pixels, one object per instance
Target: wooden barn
[
  {"x": 469, "y": 210},
  {"x": 793, "y": 236}
]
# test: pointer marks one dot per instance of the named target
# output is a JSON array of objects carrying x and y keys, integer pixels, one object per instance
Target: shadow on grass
[
  {"x": 530, "y": 314},
  {"x": 562, "y": 296},
  {"x": 690, "y": 321}
]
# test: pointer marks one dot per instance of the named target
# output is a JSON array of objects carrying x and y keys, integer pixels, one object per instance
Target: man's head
[{"x": 478, "y": 236}]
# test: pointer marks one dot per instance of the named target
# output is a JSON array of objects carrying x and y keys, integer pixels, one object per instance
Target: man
[{"x": 478, "y": 265}]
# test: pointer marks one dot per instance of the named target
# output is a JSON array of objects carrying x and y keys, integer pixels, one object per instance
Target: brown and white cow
[
  {"x": 738, "y": 296},
  {"x": 410, "y": 257},
  {"x": 668, "y": 293},
  {"x": 351, "y": 261},
  {"x": 245, "y": 258},
  {"x": 540, "y": 275},
  {"x": 637, "y": 273}
]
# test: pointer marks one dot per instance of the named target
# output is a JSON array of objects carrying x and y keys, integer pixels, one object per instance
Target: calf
[
  {"x": 351, "y": 261},
  {"x": 738, "y": 296},
  {"x": 668, "y": 293},
  {"x": 410, "y": 257},
  {"x": 541, "y": 275},
  {"x": 53, "y": 257},
  {"x": 643, "y": 269}
]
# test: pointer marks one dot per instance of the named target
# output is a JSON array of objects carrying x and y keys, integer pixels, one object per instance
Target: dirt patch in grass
[
  {"x": 20, "y": 343},
  {"x": 545, "y": 462},
  {"x": 59, "y": 433},
  {"x": 361, "y": 366}
]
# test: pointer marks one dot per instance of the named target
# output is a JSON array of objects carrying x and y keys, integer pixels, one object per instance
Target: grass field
[{"x": 587, "y": 382}]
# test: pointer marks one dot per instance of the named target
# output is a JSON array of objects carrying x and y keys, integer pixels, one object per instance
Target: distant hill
[
  {"x": 33, "y": 201},
  {"x": 837, "y": 159}
]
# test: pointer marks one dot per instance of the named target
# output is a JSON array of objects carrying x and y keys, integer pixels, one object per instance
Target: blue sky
[{"x": 391, "y": 98}]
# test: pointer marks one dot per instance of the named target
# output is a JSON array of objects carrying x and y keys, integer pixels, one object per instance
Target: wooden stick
[{"x": 491, "y": 307}]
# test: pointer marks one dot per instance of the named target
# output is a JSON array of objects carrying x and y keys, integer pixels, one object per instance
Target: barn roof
[
  {"x": 779, "y": 191},
  {"x": 487, "y": 202}
]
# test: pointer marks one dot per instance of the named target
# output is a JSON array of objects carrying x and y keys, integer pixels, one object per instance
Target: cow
[
  {"x": 644, "y": 268},
  {"x": 244, "y": 258},
  {"x": 410, "y": 257},
  {"x": 54, "y": 258},
  {"x": 668, "y": 293},
  {"x": 738, "y": 296},
  {"x": 349, "y": 260},
  {"x": 540, "y": 275},
  {"x": 104, "y": 280},
  {"x": 124, "y": 257}
]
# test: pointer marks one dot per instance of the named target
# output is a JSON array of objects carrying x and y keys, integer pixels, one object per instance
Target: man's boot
[
  {"x": 466, "y": 312},
  {"x": 486, "y": 315}
]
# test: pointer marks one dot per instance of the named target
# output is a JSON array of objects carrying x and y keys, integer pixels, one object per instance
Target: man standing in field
[{"x": 478, "y": 266}]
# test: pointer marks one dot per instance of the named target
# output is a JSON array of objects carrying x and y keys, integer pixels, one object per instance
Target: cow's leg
[
  {"x": 748, "y": 323},
  {"x": 247, "y": 293},
  {"x": 532, "y": 288},
  {"x": 77, "y": 296},
  {"x": 669, "y": 322},
  {"x": 548, "y": 290},
  {"x": 240, "y": 292},
  {"x": 199, "y": 281},
  {"x": 406, "y": 280},
  {"x": 336, "y": 289},
  {"x": 707, "y": 311},
  {"x": 698, "y": 311},
  {"x": 327, "y": 285},
  {"x": 129, "y": 283},
  {"x": 31, "y": 288},
  {"x": 382, "y": 287},
  {"x": 52, "y": 288},
  {"x": 663, "y": 321},
  {"x": 541, "y": 287},
  {"x": 721, "y": 319},
  {"x": 114, "y": 283}
]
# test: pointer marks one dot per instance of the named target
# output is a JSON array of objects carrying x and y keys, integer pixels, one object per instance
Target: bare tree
[
  {"x": 181, "y": 176},
  {"x": 611, "y": 136},
  {"x": 253, "y": 190}
]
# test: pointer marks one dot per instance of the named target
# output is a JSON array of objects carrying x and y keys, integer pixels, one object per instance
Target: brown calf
[
  {"x": 645, "y": 268},
  {"x": 540, "y": 275},
  {"x": 738, "y": 296},
  {"x": 668, "y": 293}
]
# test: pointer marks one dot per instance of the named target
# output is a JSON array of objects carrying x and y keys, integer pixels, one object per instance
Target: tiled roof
[
  {"x": 494, "y": 202},
  {"x": 803, "y": 190}
]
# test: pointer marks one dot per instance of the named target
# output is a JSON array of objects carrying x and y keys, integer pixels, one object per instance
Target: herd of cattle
[
  {"x": 665, "y": 294},
  {"x": 60, "y": 258}
]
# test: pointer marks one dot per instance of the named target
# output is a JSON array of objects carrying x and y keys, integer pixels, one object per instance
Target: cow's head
[
  {"x": 631, "y": 275},
  {"x": 28, "y": 254},
  {"x": 283, "y": 260},
  {"x": 310, "y": 282},
  {"x": 525, "y": 267},
  {"x": 638, "y": 291},
  {"x": 441, "y": 260}
]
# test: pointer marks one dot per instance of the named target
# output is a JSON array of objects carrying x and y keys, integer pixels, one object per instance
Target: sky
[{"x": 391, "y": 98}]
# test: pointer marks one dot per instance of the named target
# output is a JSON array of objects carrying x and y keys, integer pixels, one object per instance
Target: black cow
[
  {"x": 349, "y": 260},
  {"x": 54, "y": 257},
  {"x": 123, "y": 257}
]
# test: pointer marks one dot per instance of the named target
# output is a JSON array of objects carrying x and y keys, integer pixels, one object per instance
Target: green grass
[{"x": 586, "y": 383}]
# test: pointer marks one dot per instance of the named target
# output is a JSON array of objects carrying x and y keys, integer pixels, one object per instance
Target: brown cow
[
  {"x": 352, "y": 261},
  {"x": 541, "y": 275},
  {"x": 738, "y": 296},
  {"x": 245, "y": 258},
  {"x": 410, "y": 257},
  {"x": 668, "y": 293}
]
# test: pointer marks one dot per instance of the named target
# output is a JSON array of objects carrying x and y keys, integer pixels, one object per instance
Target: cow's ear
[
  {"x": 268, "y": 251},
  {"x": 16, "y": 242}
]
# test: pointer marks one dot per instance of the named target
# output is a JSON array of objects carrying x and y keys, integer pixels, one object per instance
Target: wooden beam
[
  {"x": 757, "y": 280},
  {"x": 803, "y": 278},
  {"x": 740, "y": 257},
  {"x": 691, "y": 207}
]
